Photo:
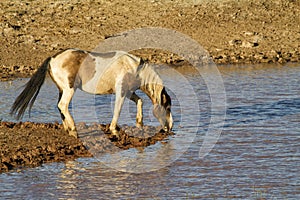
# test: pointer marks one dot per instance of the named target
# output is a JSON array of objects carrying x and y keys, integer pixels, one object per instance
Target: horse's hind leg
[
  {"x": 61, "y": 115},
  {"x": 139, "y": 106},
  {"x": 63, "y": 104}
]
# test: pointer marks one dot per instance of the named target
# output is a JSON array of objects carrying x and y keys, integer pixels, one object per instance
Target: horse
[{"x": 115, "y": 72}]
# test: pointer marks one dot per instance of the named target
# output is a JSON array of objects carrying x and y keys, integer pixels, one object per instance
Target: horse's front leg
[
  {"x": 120, "y": 96},
  {"x": 139, "y": 107}
]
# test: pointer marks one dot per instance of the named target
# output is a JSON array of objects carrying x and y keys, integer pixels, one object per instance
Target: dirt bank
[
  {"x": 32, "y": 144},
  {"x": 232, "y": 31}
]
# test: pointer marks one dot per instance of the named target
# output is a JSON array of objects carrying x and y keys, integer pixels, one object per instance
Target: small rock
[
  {"x": 235, "y": 42},
  {"x": 248, "y": 33},
  {"x": 247, "y": 44}
]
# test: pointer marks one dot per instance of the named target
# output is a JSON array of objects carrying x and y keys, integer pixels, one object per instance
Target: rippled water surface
[{"x": 256, "y": 156}]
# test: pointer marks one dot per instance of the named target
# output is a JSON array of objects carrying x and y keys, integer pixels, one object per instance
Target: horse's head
[{"x": 162, "y": 111}]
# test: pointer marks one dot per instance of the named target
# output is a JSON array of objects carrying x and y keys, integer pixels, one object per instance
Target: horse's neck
[{"x": 151, "y": 83}]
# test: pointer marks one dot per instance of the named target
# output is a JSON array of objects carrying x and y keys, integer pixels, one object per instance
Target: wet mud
[{"x": 28, "y": 144}]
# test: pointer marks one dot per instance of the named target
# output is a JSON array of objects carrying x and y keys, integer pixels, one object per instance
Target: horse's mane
[{"x": 151, "y": 83}]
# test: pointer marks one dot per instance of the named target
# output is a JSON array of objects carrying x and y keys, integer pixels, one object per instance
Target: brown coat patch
[
  {"x": 129, "y": 84},
  {"x": 72, "y": 64},
  {"x": 87, "y": 69}
]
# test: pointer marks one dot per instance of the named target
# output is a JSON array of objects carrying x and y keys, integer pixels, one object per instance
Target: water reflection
[{"x": 104, "y": 182}]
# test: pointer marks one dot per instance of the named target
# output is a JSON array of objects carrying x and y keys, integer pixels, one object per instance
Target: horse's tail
[{"x": 29, "y": 94}]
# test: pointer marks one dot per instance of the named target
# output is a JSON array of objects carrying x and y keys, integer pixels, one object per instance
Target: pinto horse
[{"x": 118, "y": 73}]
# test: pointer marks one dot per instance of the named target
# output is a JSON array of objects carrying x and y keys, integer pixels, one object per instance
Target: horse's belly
[{"x": 101, "y": 86}]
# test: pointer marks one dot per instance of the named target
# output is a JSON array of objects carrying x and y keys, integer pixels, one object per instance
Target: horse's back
[
  {"x": 108, "y": 70},
  {"x": 93, "y": 72},
  {"x": 116, "y": 61}
]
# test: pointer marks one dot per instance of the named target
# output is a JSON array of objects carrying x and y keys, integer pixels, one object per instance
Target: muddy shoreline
[{"x": 28, "y": 144}]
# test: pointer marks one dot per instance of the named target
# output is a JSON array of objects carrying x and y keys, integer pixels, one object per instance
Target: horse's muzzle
[{"x": 169, "y": 124}]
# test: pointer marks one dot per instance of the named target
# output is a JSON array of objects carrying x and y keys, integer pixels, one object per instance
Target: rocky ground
[
  {"x": 232, "y": 31},
  {"x": 244, "y": 31}
]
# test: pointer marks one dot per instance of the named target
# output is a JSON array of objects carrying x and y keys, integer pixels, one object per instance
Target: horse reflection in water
[{"x": 118, "y": 73}]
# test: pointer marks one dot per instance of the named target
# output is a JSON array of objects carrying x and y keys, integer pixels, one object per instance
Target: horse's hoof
[
  {"x": 73, "y": 133},
  {"x": 139, "y": 125},
  {"x": 115, "y": 134}
]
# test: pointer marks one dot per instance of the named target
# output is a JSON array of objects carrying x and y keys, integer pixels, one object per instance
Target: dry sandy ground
[{"x": 245, "y": 31}]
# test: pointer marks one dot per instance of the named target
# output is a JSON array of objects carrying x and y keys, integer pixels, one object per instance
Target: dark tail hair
[{"x": 29, "y": 94}]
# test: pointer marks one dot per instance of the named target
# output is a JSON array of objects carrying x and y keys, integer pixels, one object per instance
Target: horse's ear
[{"x": 165, "y": 98}]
